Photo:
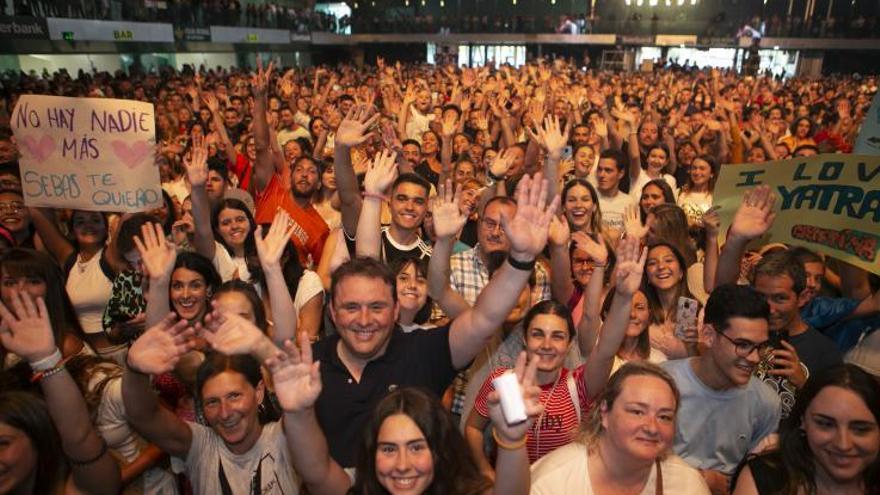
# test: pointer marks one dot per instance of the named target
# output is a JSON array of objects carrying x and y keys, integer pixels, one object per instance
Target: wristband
[
  {"x": 380, "y": 197},
  {"x": 47, "y": 362},
  {"x": 508, "y": 446},
  {"x": 494, "y": 177},
  {"x": 525, "y": 266}
]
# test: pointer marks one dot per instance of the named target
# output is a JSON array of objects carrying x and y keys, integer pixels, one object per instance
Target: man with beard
[
  {"x": 725, "y": 412},
  {"x": 290, "y": 128},
  {"x": 310, "y": 230}
]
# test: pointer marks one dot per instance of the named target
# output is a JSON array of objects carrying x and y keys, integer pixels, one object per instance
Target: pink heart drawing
[
  {"x": 39, "y": 150},
  {"x": 131, "y": 156}
]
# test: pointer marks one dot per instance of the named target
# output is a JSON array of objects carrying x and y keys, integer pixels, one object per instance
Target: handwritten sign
[
  {"x": 868, "y": 142},
  {"x": 828, "y": 203},
  {"x": 87, "y": 153}
]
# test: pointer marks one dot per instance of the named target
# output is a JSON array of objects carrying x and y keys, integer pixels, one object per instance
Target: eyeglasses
[
  {"x": 13, "y": 207},
  {"x": 744, "y": 348}
]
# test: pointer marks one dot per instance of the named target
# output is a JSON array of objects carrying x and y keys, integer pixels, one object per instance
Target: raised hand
[
  {"x": 381, "y": 172},
  {"x": 501, "y": 163},
  {"x": 448, "y": 218},
  {"x": 26, "y": 330},
  {"x": 297, "y": 379},
  {"x": 352, "y": 131},
  {"x": 449, "y": 125},
  {"x": 630, "y": 265},
  {"x": 229, "y": 333},
  {"x": 754, "y": 217},
  {"x": 197, "y": 166},
  {"x": 559, "y": 231},
  {"x": 157, "y": 254},
  {"x": 597, "y": 251},
  {"x": 527, "y": 231},
  {"x": 531, "y": 393},
  {"x": 711, "y": 221},
  {"x": 161, "y": 346},
  {"x": 632, "y": 222},
  {"x": 211, "y": 101},
  {"x": 550, "y": 136},
  {"x": 260, "y": 80},
  {"x": 270, "y": 247}
]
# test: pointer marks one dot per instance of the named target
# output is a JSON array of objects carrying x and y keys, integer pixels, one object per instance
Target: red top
[{"x": 311, "y": 230}]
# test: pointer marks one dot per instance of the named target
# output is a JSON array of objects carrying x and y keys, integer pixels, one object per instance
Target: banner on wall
[
  {"x": 20, "y": 27},
  {"x": 827, "y": 203},
  {"x": 230, "y": 34},
  {"x": 87, "y": 153},
  {"x": 88, "y": 30},
  {"x": 868, "y": 142}
]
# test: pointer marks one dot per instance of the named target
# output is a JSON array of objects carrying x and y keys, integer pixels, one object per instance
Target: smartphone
[
  {"x": 776, "y": 339},
  {"x": 685, "y": 317},
  {"x": 566, "y": 153}
]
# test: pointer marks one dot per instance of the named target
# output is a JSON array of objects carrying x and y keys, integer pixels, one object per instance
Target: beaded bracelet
[
  {"x": 508, "y": 446},
  {"x": 380, "y": 197},
  {"x": 42, "y": 375}
]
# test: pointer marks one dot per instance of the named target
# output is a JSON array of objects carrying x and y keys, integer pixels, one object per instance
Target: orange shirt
[{"x": 311, "y": 230}]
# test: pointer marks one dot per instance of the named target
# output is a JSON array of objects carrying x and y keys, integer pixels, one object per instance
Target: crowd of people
[
  {"x": 348, "y": 259},
  {"x": 188, "y": 13}
]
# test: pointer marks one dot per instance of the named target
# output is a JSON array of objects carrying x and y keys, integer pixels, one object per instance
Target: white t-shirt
[
  {"x": 285, "y": 135},
  {"x": 112, "y": 424},
  {"x": 613, "y": 209},
  {"x": 268, "y": 461},
  {"x": 89, "y": 290},
  {"x": 417, "y": 124},
  {"x": 635, "y": 188},
  {"x": 565, "y": 472},
  {"x": 654, "y": 356},
  {"x": 309, "y": 286},
  {"x": 230, "y": 267}
]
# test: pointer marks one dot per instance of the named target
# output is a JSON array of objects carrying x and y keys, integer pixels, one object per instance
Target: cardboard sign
[
  {"x": 87, "y": 153},
  {"x": 827, "y": 203}
]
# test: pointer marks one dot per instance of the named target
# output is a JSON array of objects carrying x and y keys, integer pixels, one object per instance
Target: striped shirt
[{"x": 559, "y": 424}]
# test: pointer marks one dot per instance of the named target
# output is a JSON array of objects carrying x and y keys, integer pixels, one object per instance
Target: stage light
[
  {"x": 640, "y": 2},
  {"x": 652, "y": 3}
]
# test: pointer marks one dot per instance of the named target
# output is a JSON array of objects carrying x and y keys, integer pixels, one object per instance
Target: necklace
[{"x": 537, "y": 426}]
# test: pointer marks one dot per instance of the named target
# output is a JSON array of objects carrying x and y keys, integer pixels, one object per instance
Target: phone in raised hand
[{"x": 686, "y": 318}]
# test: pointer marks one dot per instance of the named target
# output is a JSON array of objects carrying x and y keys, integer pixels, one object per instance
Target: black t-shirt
[
  {"x": 815, "y": 350},
  {"x": 425, "y": 171},
  {"x": 421, "y": 358},
  {"x": 469, "y": 233},
  {"x": 391, "y": 250},
  {"x": 768, "y": 472}
]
